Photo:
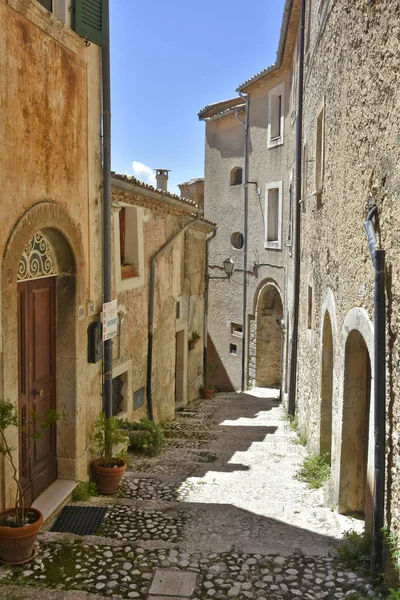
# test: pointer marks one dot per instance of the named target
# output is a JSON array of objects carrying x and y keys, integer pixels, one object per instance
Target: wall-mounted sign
[{"x": 110, "y": 320}]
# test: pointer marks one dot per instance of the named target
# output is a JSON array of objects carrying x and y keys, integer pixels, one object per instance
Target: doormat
[{"x": 81, "y": 520}]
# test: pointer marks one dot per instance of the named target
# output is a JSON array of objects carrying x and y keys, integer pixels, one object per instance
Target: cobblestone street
[{"x": 218, "y": 514}]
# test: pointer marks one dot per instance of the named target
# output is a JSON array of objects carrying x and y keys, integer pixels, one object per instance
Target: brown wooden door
[{"x": 36, "y": 383}]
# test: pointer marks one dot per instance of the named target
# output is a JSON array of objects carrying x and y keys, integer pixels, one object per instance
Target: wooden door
[{"x": 36, "y": 383}]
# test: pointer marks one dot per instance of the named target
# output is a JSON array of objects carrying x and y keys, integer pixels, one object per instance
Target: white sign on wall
[{"x": 110, "y": 320}]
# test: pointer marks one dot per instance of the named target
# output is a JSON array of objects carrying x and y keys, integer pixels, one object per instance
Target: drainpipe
[
  {"x": 245, "y": 228},
  {"x": 378, "y": 260},
  {"x": 206, "y": 296},
  {"x": 107, "y": 290},
  {"x": 296, "y": 285},
  {"x": 153, "y": 264}
]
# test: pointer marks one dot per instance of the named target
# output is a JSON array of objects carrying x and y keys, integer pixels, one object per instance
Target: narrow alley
[{"x": 219, "y": 514}]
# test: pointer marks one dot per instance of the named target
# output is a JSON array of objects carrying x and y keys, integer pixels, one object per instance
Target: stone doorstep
[
  {"x": 54, "y": 498},
  {"x": 172, "y": 584}
]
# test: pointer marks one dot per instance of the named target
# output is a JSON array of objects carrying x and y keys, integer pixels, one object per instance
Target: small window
[
  {"x": 273, "y": 215},
  {"x": 236, "y": 329},
  {"x": 304, "y": 175},
  {"x": 276, "y": 116},
  {"x": 48, "y": 4},
  {"x": 233, "y": 349},
  {"x": 237, "y": 240},
  {"x": 319, "y": 152},
  {"x": 309, "y": 312},
  {"x": 290, "y": 224},
  {"x": 138, "y": 398},
  {"x": 178, "y": 310},
  {"x": 128, "y": 243},
  {"x": 118, "y": 385},
  {"x": 308, "y": 26},
  {"x": 236, "y": 176}
]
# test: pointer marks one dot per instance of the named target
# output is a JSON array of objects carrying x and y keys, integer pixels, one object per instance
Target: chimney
[{"x": 162, "y": 179}]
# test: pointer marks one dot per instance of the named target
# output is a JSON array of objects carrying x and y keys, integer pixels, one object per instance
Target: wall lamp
[{"x": 229, "y": 267}]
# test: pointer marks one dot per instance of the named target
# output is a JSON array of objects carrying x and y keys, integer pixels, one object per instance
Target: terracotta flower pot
[
  {"x": 17, "y": 544},
  {"x": 206, "y": 393},
  {"x": 108, "y": 478}
]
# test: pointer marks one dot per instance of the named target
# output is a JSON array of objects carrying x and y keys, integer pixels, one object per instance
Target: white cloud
[{"x": 144, "y": 173}]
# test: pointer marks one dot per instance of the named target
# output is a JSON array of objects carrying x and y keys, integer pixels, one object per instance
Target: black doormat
[{"x": 81, "y": 520}]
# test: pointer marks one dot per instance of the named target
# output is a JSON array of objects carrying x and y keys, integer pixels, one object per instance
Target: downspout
[
  {"x": 206, "y": 296},
  {"x": 378, "y": 260},
  {"x": 107, "y": 290},
  {"x": 245, "y": 229},
  {"x": 296, "y": 284},
  {"x": 151, "y": 312}
]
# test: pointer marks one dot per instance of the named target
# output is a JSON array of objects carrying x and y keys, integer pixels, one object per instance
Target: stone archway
[
  {"x": 269, "y": 314},
  {"x": 355, "y": 493},
  {"x": 64, "y": 237},
  {"x": 326, "y": 388}
]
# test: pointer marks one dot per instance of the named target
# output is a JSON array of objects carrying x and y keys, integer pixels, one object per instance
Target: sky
[{"x": 169, "y": 60}]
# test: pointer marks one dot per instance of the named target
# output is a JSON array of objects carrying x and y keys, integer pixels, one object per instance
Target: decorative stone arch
[
  {"x": 355, "y": 466},
  {"x": 65, "y": 239},
  {"x": 327, "y": 362},
  {"x": 266, "y": 336}
]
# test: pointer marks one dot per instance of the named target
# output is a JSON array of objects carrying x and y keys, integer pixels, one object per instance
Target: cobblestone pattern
[{"x": 129, "y": 523}]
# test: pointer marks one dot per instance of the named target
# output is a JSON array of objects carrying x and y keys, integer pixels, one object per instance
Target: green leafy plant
[
  {"x": 355, "y": 551},
  {"x": 145, "y": 436},
  {"x": 195, "y": 335},
  {"x": 314, "y": 471},
  {"x": 212, "y": 369},
  {"x": 9, "y": 418},
  {"x": 109, "y": 443},
  {"x": 392, "y": 543},
  {"x": 83, "y": 491}
]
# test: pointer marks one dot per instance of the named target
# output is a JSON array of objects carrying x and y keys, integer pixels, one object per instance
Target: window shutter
[{"x": 89, "y": 20}]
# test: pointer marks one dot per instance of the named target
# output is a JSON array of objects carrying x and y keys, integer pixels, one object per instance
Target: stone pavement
[{"x": 218, "y": 515}]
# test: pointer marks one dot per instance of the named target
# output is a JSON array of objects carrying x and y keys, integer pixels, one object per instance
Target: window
[
  {"x": 122, "y": 389},
  {"x": 276, "y": 120},
  {"x": 308, "y": 28},
  {"x": 237, "y": 240},
  {"x": 304, "y": 177},
  {"x": 236, "y": 176},
  {"x": 320, "y": 151},
  {"x": 236, "y": 329},
  {"x": 178, "y": 310},
  {"x": 48, "y": 4},
  {"x": 117, "y": 395},
  {"x": 295, "y": 63},
  {"x": 309, "y": 312},
  {"x": 128, "y": 240},
  {"x": 233, "y": 349},
  {"x": 290, "y": 225},
  {"x": 273, "y": 215}
]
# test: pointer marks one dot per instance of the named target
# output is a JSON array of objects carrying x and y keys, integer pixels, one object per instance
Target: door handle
[{"x": 38, "y": 393}]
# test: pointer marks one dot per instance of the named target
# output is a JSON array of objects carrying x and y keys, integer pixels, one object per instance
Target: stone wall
[
  {"x": 179, "y": 277},
  {"x": 352, "y": 73},
  {"x": 50, "y": 175}
]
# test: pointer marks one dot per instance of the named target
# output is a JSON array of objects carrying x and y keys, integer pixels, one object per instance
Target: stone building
[
  {"x": 194, "y": 190},
  {"x": 350, "y": 152},
  {"x": 145, "y": 220},
  {"x": 267, "y": 99},
  {"x": 50, "y": 173},
  {"x": 350, "y": 161},
  {"x": 51, "y": 249}
]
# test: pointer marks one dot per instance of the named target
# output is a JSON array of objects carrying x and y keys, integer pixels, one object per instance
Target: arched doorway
[
  {"x": 269, "y": 338},
  {"x": 355, "y": 494},
  {"x": 45, "y": 299},
  {"x": 326, "y": 388}
]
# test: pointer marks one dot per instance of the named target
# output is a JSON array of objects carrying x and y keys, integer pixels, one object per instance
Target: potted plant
[
  {"x": 20, "y": 524},
  {"x": 206, "y": 393},
  {"x": 109, "y": 444},
  {"x": 195, "y": 337}
]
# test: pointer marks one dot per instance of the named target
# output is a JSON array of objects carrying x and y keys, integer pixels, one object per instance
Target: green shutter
[{"x": 89, "y": 20}]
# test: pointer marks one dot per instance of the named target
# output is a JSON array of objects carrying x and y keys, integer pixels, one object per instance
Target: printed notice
[{"x": 110, "y": 320}]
